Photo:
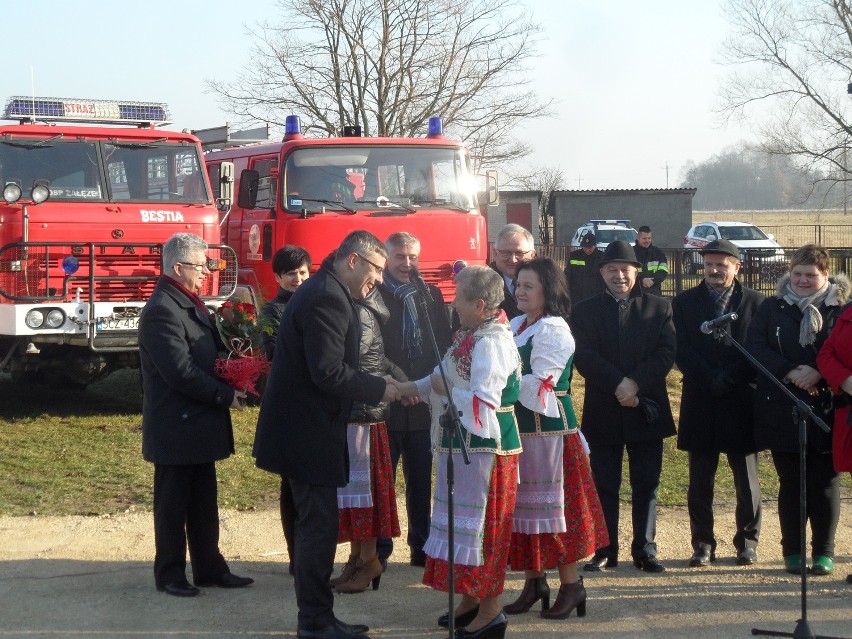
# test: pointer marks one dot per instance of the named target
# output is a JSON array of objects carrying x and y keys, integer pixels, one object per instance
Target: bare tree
[
  {"x": 388, "y": 65},
  {"x": 793, "y": 61},
  {"x": 546, "y": 179}
]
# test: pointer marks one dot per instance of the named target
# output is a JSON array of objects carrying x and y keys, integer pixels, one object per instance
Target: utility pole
[{"x": 666, "y": 167}]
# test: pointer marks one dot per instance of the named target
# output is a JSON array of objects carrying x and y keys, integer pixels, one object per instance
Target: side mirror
[
  {"x": 249, "y": 180},
  {"x": 226, "y": 186},
  {"x": 492, "y": 193}
]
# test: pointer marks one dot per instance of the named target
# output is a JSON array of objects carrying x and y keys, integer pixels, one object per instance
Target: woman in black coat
[{"x": 785, "y": 336}]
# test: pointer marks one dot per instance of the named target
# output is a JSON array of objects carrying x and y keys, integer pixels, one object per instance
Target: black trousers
[
  {"x": 415, "y": 449},
  {"x": 645, "y": 462},
  {"x": 823, "y": 501},
  {"x": 186, "y": 512},
  {"x": 288, "y": 517},
  {"x": 699, "y": 498},
  {"x": 316, "y": 543}
]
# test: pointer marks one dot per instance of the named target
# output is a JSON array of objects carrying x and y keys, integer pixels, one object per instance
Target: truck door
[{"x": 257, "y": 230}]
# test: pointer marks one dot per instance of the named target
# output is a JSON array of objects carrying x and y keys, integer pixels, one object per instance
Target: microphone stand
[
  {"x": 801, "y": 413},
  {"x": 450, "y": 421}
]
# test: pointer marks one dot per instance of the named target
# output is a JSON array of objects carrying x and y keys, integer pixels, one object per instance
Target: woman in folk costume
[
  {"x": 483, "y": 370},
  {"x": 368, "y": 502},
  {"x": 558, "y": 516}
]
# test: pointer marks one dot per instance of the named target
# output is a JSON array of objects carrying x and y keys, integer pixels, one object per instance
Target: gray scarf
[{"x": 811, "y": 323}]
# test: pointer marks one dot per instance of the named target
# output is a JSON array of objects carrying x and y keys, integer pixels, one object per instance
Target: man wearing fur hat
[
  {"x": 583, "y": 269},
  {"x": 625, "y": 348},
  {"x": 716, "y": 404}
]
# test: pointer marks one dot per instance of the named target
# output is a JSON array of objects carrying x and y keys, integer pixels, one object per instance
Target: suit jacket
[
  {"x": 185, "y": 408},
  {"x": 417, "y": 417},
  {"x": 636, "y": 339},
  {"x": 301, "y": 429},
  {"x": 508, "y": 304},
  {"x": 716, "y": 405}
]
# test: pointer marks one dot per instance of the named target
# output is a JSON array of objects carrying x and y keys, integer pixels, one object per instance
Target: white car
[
  {"x": 752, "y": 241},
  {"x": 605, "y": 231}
]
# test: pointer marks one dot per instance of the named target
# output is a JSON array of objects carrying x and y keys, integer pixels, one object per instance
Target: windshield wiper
[
  {"x": 384, "y": 202},
  {"x": 333, "y": 203},
  {"x": 443, "y": 203},
  {"x": 33, "y": 145},
  {"x": 137, "y": 145}
]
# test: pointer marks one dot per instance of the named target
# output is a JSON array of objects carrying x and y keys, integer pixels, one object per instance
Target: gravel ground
[{"x": 92, "y": 577}]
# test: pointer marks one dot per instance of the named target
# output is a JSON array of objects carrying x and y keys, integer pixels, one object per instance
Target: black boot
[{"x": 534, "y": 589}]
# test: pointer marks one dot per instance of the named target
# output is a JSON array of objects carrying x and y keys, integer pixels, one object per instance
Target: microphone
[
  {"x": 711, "y": 325},
  {"x": 415, "y": 278}
]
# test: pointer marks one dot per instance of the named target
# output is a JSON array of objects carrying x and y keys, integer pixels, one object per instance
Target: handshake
[{"x": 406, "y": 392}]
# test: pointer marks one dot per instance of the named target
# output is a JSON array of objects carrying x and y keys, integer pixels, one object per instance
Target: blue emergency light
[{"x": 436, "y": 127}]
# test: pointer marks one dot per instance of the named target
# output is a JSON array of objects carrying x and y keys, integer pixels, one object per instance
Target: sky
[{"x": 635, "y": 84}]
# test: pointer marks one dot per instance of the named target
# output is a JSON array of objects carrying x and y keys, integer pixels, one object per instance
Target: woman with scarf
[
  {"x": 483, "y": 370},
  {"x": 558, "y": 518},
  {"x": 785, "y": 335}
]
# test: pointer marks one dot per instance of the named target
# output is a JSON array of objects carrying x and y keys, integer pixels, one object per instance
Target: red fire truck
[
  {"x": 313, "y": 191},
  {"x": 84, "y": 214}
]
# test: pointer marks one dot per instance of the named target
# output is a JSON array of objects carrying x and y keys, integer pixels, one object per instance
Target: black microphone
[
  {"x": 415, "y": 278},
  {"x": 711, "y": 325}
]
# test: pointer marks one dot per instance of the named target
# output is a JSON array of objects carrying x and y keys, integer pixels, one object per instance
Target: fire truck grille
[{"x": 97, "y": 272}]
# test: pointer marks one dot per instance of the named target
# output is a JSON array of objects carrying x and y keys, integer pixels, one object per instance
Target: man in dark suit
[
  {"x": 408, "y": 346},
  {"x": 716, "y": 411},
  {"x": 301, "y": 429},
  {"x": 186, "y": 423},
  {"x": 625, "y": 348},
  {"x": 514, "y": 244}
]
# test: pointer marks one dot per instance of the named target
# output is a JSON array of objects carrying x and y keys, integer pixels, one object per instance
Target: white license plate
[{"x": 117, "y": 324}]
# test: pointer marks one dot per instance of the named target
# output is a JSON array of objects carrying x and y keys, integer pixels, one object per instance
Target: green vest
[
  {"x": 510, "y": 440},
  {"x": 531, "y": 423}
]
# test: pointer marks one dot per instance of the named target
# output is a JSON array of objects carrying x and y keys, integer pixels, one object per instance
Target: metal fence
[{"x": 828, "y": 235}]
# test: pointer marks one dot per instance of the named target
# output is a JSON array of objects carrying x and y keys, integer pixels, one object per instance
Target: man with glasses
[
  {"x": 514, "y": 244},
  {"x": 186, "y": 423},
  {"x": 301, "y": 429}
]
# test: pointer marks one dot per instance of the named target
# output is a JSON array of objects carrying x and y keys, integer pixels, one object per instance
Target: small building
[
  {"x": 667, "y": 211},
  {"x": 518, "y": 207}
]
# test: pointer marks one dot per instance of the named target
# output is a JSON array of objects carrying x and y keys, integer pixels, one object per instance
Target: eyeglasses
[
  {"x": 198, "y": 267},
  {"x": 518, "y": 255},
  {"x": 379, "y": 270}
]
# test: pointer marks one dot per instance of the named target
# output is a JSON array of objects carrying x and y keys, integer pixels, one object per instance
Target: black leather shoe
[
  {"x": 461, "y": 621},
  {"x": 747, "y": 557},
  {"x": 649, "y": 563},
  {"x": 338, "y": 630},
  {"x": 494, "y": 629},
  {"x": 599, "y": 562},
  {"x": 418, "y": 558},
  {"x": 228, "y": 580},
  {"x": 701, "y": 558},
  {"x": 353, "y": 628},
  {"x": 179, "y": 589}
]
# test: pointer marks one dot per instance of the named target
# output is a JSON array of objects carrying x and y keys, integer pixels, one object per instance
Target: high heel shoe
[
  {"x": 494, "y": 629},
  {"x": 534, "y": 589},
  {"x": 461, "y": 620},
  {"x": 570, "y": 596},
  {"x": 346, "y": 573},
  {"x": 366, "y": 573}
]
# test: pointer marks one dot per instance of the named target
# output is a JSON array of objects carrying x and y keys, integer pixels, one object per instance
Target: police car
[
  {"x": 605, "y": 231},
  {"x": 752, "y": 242}
]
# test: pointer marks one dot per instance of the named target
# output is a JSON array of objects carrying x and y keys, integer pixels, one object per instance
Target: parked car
[
  {"x": 605, "y": 231},
  {"x": 752, "y": 241}
]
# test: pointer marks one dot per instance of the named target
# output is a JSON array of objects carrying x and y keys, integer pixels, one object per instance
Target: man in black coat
[
  {"x": 716, "y": 405},
  {"x": 186, "y": 424},
  {"x": 514, "y": 244},
  {"x": 625, "y": 348},
  {"x": 408, "y": 346},
  {"x": 301, "y": 429},
  {"x": 583, "y": 269},
  {"x": 653, "y": 266}
]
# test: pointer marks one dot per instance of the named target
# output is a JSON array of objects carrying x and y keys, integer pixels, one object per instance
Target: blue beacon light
[
  {"x": 70, "y": 265},
  {"x": 436, "y": 127},
  {"x": 292, "y": 128}
]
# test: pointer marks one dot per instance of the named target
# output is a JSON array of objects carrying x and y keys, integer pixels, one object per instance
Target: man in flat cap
[
  {"x": 625, "y": 348},
  {"x": 583, "y": 269},
  {"x": 716, "y": 405}
]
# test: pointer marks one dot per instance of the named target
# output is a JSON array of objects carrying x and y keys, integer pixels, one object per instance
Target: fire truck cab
[
  {"x": 91, "y": 191},
  {"x": 312, "y": 192}
]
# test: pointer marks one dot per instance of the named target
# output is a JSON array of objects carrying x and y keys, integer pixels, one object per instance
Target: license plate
[{"x": 117, "y": 324}]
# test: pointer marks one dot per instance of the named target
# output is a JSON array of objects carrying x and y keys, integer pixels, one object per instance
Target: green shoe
[
  {"x": 793, "y": 564},
  {"x": 823, "y": 565}
]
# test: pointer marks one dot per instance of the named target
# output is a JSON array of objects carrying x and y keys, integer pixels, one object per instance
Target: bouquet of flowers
[{"x": 237, "y": 325}]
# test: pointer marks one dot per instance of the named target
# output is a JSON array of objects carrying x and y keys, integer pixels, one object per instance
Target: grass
[{"x": 72, "y": 452}]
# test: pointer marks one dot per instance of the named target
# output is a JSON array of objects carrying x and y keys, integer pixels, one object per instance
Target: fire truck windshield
[
  {"x": 405, "y": 178},
  {"x": 104, "y": 171}
]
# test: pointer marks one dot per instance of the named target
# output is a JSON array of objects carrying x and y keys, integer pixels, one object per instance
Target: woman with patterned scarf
[
  {"x": 785, "y": 335},
  {"x": 483, "y": 369}
]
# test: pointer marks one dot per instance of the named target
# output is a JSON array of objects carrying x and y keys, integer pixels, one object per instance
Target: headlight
[
  {"x": 41, "y": 191},
  {"x": 55, "y": 318},
  {"x": 34, "y": 318},
  {"x": 11, "y": 193}
]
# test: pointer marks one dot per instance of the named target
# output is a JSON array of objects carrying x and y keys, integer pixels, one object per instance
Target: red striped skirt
[
  {"x": 363, "y": 524},
  {"x": 485, "y": 580}
]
